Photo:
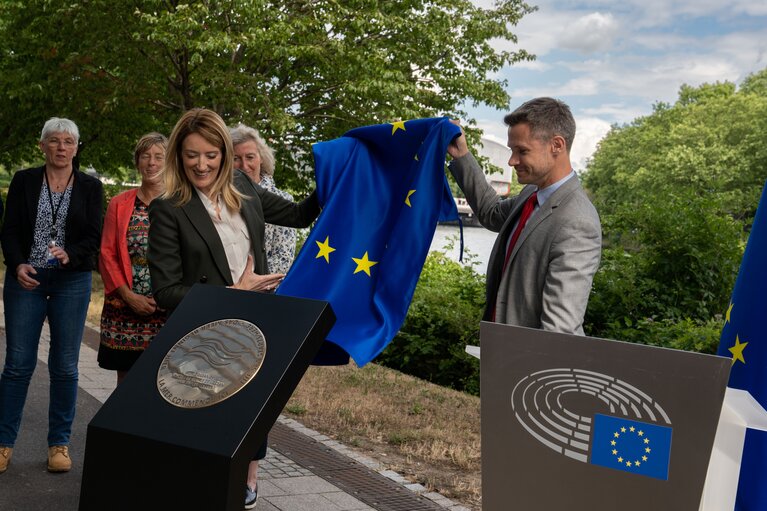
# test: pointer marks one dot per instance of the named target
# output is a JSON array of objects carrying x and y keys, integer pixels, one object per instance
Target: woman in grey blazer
[{"x": 208, "y": 227}]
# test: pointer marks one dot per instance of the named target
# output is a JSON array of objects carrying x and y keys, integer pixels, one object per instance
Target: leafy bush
[
  {"x": 686, "y": 334},
  {"x": 443, "y": 318},
  {"x": 672, "y": 258}
]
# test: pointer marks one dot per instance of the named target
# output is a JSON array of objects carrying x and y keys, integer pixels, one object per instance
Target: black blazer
[
  {"x": 184, "y": 246},
  {"x": 83, "y": 222}
]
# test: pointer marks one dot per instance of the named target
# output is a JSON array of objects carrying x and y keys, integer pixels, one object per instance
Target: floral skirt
[{"x": 124, "y": 334}]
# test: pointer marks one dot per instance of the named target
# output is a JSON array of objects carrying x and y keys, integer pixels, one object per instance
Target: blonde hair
[
  {"x": 243, "y": 133},
  {"x": 209, "y": 125}
]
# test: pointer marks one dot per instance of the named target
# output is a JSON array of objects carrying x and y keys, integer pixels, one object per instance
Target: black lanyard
[{"x": 55, "y": 210}]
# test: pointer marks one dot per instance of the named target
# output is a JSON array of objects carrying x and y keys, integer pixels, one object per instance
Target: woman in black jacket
[
  {"x": 208, "y": 227},
  {"x": 50, "y": 239}
]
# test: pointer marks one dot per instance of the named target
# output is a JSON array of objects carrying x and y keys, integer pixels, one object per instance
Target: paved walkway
[{"x": 303, "y": 470}]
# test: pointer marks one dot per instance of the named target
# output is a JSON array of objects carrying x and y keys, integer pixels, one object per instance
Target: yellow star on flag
[
  {"x": 364, "y": 264},
  {"x": 407, "y": 199},
  {"x": 325, "y": 249},
  {"x": 737, "y": 350},
  {"x": 397, "y": 125},
  {"x": 727, "y": 315}
]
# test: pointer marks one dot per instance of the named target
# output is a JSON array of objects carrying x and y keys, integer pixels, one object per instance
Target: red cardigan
[{"x": 114, "y": 261}]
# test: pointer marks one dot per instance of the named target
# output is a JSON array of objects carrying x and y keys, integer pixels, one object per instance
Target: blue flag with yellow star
[
  {"x": 631, "y": 446},
  {"x": 744, "y": 338},
  {"x": 382, "y": 190}
]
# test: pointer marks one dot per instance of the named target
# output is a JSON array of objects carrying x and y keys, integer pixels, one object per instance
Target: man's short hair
[{"x": 546, "y": 117}]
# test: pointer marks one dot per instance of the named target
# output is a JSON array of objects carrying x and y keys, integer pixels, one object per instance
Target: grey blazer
[
  {"x": 548, "y": 279},
  {"x": 184, "y": 246}
]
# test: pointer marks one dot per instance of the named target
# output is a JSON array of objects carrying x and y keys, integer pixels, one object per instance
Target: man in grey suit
[{"x": 550, "y": 238}]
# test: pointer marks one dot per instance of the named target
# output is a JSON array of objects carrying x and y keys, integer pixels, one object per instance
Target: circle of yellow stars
[{"x": 624, "y": 461}]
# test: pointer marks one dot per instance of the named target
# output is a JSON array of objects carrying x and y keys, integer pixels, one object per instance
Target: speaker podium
[
  {"x": 145, "y": 452},
  {"x": 581, "y": 423}
]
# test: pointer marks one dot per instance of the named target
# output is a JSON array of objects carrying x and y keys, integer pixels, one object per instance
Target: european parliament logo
[{"x": 634, "y": 436}]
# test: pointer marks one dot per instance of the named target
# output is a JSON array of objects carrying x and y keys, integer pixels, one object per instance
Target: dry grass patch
[{"x": 428, "y": 433}]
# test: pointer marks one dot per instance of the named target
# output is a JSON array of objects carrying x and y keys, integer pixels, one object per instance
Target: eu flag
[
  {"x": 382, "y": 190},
  {"x": 632, "y": 446},
  {"x": 744, "y": 339}
]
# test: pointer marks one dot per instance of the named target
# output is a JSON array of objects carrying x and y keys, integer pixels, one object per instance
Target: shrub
[
  {"x": 686, "y": 334},
  {"x": 443, "y": 318}
]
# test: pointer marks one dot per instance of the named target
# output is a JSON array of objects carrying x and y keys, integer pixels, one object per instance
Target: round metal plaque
[{"x": 211, "y": 363}]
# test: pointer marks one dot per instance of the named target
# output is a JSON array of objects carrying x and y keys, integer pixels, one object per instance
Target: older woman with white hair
[
  {"x": 50, "y": 239},
  {"x": 256, "y": 159}
]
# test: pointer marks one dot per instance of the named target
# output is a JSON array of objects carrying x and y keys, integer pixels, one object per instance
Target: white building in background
[{"x": 498, "y": 154}]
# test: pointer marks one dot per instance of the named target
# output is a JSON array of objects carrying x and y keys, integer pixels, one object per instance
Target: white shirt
[{"x": 233, "y": 233}]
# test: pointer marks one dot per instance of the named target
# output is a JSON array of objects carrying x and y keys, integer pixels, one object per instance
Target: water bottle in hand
[{"x": 50, "y": 258}]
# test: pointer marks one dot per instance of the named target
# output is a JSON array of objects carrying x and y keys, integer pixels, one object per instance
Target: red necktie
[{"x": 527, "y": 210}]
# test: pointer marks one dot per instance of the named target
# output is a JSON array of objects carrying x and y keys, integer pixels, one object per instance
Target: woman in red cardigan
[{"x": 130, "y": 317}]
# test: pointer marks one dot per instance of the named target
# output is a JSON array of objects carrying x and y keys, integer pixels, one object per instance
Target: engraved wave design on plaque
[
  {"x": 215, "y": 352},
  {"x": 211, "y": 363}
]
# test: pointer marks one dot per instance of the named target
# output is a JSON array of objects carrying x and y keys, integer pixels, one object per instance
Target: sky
[{"x": 612, "y": 60}]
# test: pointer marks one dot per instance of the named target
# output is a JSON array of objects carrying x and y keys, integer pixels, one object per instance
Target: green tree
[
  {"x": 677, "y": 191},
  {"x": 301, "y": 71}
]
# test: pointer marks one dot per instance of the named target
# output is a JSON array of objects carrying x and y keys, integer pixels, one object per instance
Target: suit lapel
[
  {"x": 545, "y": 211},
  {"x": 200, "y": 219},
  {"x": 515, "y": 212},
  {"x": 498, "y": 254},
  {"x": 34, "y": 192},
  {"x": 122, "y": 217},
  {"x": 76, "y": 200},
  {"x": 248, "y": 214}
]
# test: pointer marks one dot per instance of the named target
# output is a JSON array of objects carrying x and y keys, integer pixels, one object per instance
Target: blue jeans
[{"x": 63, "y": 298}]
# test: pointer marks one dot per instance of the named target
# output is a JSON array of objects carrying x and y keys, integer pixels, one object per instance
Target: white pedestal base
[{"x": 739, "y": 411}]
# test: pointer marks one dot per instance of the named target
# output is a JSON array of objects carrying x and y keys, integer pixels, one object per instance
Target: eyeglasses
[{"x": 67, "y": 142}]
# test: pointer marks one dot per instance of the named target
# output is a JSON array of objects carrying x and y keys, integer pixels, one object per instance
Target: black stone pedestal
[{"x": 142, "y": 452}]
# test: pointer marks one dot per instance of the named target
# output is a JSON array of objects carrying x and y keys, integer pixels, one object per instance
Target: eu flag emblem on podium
[
  {"x": 382, "y": 190},
  {"x": 744, "y": 339},
  {"x": 632, "y": 446}
]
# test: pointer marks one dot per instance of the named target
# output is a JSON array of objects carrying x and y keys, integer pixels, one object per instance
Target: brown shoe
[
  {"x": 58, "y": 459},
  {"x": 5, "y": 458}
]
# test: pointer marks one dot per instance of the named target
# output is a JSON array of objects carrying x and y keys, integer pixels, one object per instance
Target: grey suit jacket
[
  {"x": 184, "y": 246},
  {"x": 548, "y": 279}
]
